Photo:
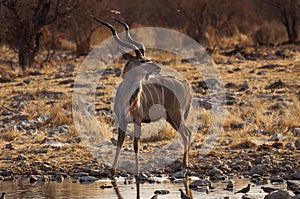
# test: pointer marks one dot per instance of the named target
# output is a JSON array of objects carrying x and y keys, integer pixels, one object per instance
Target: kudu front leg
[
  {"x": 137, "y": 135},
  {"x": 121, "y": 137}
]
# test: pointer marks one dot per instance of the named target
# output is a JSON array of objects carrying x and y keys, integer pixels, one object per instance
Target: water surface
[{"x": 67, "y": 189}]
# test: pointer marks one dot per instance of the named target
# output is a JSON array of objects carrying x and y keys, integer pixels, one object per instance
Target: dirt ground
[{"x": 262, "y": 124}]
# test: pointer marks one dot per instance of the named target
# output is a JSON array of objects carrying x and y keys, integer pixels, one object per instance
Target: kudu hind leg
[
  {"x": 137, "y": 135},
  {"x": 177, "y": 122},
  {"x": 121, "y": 138}
]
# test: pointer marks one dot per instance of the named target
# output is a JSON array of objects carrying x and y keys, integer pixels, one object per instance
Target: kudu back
[{"x": 143, "y": 88}]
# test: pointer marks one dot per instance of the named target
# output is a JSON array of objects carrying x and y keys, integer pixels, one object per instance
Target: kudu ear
[{"x": 128, "y": 56}]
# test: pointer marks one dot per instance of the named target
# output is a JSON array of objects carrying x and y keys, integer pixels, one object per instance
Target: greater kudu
[{"x": 137, "y": 94}]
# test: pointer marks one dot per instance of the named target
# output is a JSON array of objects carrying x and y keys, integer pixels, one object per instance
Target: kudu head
[{"x": 139, "y": 66}]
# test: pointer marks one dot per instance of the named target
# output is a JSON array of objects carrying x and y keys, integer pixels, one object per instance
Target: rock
[
  {"x": 87, "y": 179},
  {"x": 45, "y": 178},
  {"x": 5, "y": 78},
  {"x": 269, "y": 66},
  {"x": 276, "y": 85},
  {"x": 59, "y": 75},
  {"x": 118, "y": 71},
  {"x": 105, "y": 186},
  {"x": 161, "y": 192},
  {"x": 297, "y": 144},
  {"x": 142, "y": 177},
  {"x": 35, "y": 73},
  {"x": 276, "y": 137},
  {"x": 63, "y": 129},
  {"x": 70, "y": 67},
  {"x": 98, "y": 173},
  {"x": 27, "y": 81},
  {"x": 236, "y": 126},
  {"x": 290, "y": 146},
  {"x": 59, "y": 178},
  {"x": 229, "y": 186},
  {"x": 45, "y": 167},
  {"x": 239, "y": 56},
  {"x": 258, "y": 169},
  {"x": 214, "y": 172},
  {"x": 276, "y": 179},
  {"x": 258, "y": 132},
  {"x": 55, "y": 144},
  {"x": 249, "y": 196},
  {"x": 67, "y": 81},
  {"x": 278, "y": 195},
  {"x": 41, "y": 150},
  {"x": 176, "y": 165},
  {"x": 200, "y": 183},
  {"x": 238, "y": 68},
  {"x": 296, "y": 197},
  {"x": 21, "y": 157},
  {"x": 244, "y": 86},
  {"x": 33, "y": 178},
  {"x": 285, "y": 53},
  {"x": 296, "y": 176},
  {"x": 296, "y": 131},
  {"x": 9, "y": 146}
]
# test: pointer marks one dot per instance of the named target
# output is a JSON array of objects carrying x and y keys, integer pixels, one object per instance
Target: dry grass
[
  {"x": 59, "y": 115},
  {"x": 9, "y": 135},
  {"x": 255, "y": 113}
]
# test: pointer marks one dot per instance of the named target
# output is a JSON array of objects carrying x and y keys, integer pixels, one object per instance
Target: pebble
[
  {"x": 87, "y": 179},
  {"x": 258, "y": 169},
  {"x": 33, "y": 178},
  {"x": 296, "y": 176},
  {"x": 276, "y": 137},
  {"x": 278, "y": 195},
  {"x": 296, "y": 131},
  {"x": 297, "y": 144},
  {"x": 9, "y": 146},
  {"x": 45, "y": 167}
]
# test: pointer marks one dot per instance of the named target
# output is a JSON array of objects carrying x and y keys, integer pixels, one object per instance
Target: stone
[
  {"x": 21, "y": 157},
  {"x": 276, "y": 179},
  {"x": 27, "y": 81},
  {"x": 200, "y": 183},
  {"x": 244, "y": 86},
  {"x": 161, "y": 192},
  {"x": 9, "y": 146},
  {"x": 296, "y": 176},
  {"x": 249, "y": 196},
  {"x": 45, "y": 178},
  {"x": 278, "y": 195},
  {"x": 258, "y": 169},
  {"x": 5, "y": 78},
  {"x": 55, "y": 144},
  {"x": 142, "y": 177},
  {"x": 87, "y": 179},
  {"x": 67, "y": 81},
  {"x": 276, "y": 137},
  {"x": 296, "y": 131},
  {"x": 45, "y": 167},
  {"x": 59, "y": 178},
  {"x": 98, "y": 173},
  {"x": 297, "y": 144},
  {"x": 289, "y": 146},
  {"x": 33, "y": 178},
  {"x": 214, "y": 172}
]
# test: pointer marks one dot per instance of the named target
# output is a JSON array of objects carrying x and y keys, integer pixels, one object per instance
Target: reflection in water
[
  {"x": 22, "y": 189},
  {"x": 138, "y": 190}
]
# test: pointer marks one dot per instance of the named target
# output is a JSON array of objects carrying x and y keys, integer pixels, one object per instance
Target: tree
[
  {"x": 24, "y": 20},
  {"x": 82, "y": 25},
  {"x": 204, "y": 13},
  {"x": 287, "y": 12}
]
